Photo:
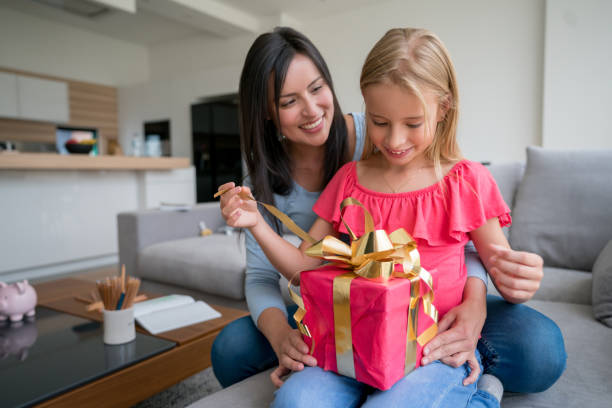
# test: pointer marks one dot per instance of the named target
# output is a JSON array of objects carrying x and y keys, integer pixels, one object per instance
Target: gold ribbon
[{"x": 371, "y": 256}]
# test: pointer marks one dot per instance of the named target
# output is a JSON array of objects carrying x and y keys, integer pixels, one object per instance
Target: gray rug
[{"x": 184, "y": 393}]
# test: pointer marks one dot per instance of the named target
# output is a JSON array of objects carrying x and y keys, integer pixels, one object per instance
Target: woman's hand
[
  {"x": 292, "y": 355},
  {"x": 515, "y": 274},
  {"x": 458, "y": 333},
  {"x": 237, "y": 210}
]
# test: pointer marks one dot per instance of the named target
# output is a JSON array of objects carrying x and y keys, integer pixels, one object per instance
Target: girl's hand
[
  {"x": 238, "y": 211},
  {"x": 457, "y": 336},
  {"x": 292, "y": 354},
  {"x": 516, "y": 275}
]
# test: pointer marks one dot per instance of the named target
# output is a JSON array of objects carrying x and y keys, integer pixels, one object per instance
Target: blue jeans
[
  {"x": 435, "y": 385},
  {"x": 520, "y": 346}
]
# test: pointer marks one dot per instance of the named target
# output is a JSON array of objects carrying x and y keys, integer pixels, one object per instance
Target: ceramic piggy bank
[{"x": 16, "y": 300}]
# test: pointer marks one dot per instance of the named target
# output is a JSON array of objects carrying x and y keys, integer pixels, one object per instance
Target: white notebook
[{"x": 172, "y": 312}]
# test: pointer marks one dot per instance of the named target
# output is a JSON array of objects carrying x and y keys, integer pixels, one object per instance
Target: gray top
[{"x": 261, "y": 287}]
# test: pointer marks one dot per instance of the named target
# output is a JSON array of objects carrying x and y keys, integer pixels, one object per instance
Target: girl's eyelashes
[{"x": 410, "y": 125}]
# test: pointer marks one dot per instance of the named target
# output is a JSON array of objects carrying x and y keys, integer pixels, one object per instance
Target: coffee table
[{"x": 132, "y": 384}]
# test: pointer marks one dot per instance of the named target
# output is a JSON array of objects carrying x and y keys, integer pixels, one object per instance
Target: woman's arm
[
  {"x": 515, "y": 274},
  {"x": 269, "y": 313},
  {"x": 475, "y": 268}
]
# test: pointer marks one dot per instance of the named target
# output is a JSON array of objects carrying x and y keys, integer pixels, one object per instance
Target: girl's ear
[{"x": 443, "y": 107}]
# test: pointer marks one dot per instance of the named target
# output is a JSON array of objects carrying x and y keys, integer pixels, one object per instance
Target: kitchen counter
[
  {"x": 60, "y": 211},
  {"x": 51, "y": 161}
]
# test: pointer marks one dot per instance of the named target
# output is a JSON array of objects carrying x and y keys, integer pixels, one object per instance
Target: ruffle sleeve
[
  {"x": 474, "y": 198},
  {"x": 328, "y": 204}
]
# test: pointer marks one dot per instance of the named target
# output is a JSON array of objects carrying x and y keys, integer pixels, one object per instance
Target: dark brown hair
[{"x": 267, "y": 160}]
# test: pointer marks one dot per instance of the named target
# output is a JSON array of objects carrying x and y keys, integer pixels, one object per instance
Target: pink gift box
[{"x": 379, "y": 320}]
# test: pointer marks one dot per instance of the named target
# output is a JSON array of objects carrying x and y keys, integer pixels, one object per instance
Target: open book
[{"x": 172, "y": 312}]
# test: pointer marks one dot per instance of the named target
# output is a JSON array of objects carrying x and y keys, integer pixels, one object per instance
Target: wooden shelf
[{"x": 49, "y": 161}]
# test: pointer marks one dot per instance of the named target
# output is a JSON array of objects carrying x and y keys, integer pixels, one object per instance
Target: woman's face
[{"x": 306, "y": 104}]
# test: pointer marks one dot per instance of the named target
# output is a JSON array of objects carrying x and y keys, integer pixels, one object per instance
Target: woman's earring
[{"x": 281, "y": 137}]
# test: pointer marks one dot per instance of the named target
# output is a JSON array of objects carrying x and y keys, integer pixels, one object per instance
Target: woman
[{"x": 296, "y": 138}]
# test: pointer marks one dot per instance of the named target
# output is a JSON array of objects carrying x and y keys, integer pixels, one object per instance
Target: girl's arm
[
  {"x": 515, "y": 274},
  {"x": 287, "y": 259}
]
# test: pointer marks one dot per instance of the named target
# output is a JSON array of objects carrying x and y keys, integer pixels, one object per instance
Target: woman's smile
[{"x": 314, "y": 126}]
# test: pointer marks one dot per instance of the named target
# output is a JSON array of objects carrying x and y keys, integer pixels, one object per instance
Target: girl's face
[
  {"x": 396, "y": 122},
  {"x": 306, "y": 105}
]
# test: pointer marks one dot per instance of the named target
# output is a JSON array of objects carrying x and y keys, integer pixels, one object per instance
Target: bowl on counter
[{"x": 83, "y": 147}]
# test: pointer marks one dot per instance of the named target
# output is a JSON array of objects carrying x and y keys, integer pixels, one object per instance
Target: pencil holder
[{"x": 119, "y": 326}]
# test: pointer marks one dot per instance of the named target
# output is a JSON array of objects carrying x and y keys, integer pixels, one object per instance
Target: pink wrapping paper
[{"x": 379, "y": 319}]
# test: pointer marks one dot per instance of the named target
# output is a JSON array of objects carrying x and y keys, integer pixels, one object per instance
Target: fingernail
[
  {"x": 426, "y": 350},
  {"x": 425, "y": 361}
]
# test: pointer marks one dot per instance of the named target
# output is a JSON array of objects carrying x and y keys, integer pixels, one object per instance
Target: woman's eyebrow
[{"x": 309, "y": 85}]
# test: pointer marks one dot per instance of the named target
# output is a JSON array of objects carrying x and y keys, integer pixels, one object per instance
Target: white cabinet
[
  {"x": 29, "y": 98},
  {"x": 8, "y": 95},
  {"x": 42, "y": 99}
]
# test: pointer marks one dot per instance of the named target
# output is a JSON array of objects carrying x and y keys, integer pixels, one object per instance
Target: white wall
[
  {"x": 41, "y": 46},
  {"x": 497, "y": 47},
  {"x": 577, "y": 75}
]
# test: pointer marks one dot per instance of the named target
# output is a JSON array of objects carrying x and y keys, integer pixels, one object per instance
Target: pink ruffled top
[{"x": 438, "y": 217}]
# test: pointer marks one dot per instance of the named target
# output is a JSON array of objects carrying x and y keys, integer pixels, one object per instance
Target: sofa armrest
[
  {"x": 508, "y": 177},
  {"x": 139, "y": 229}
]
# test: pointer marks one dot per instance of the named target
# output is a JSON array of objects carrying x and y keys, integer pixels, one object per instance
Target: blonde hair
[{"x": 416, "y": 59}]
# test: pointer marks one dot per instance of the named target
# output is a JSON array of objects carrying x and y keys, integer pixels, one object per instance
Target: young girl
[{"x": 413, "y": 177}]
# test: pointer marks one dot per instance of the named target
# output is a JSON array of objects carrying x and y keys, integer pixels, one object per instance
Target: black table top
[{"x": 56, "y": 352}]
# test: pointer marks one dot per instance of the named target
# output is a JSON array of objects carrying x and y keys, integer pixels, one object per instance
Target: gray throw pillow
[
  {"x": 602, "y": 286},
  {"x": 563, "y": 206}
]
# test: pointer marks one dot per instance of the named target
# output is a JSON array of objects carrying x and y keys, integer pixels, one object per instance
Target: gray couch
[{"x": 562, "y": 209}]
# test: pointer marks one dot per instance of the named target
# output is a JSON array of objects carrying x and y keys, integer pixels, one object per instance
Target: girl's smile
[{"x": 398, "y": 154}]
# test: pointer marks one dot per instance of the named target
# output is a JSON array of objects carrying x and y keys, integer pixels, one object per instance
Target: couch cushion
[
  {"x": 562, "y": 209},
  {"x": 561, "y": 285},
  {"x": 213, "y": 264},
  {"x": 585, "y": 382},
  {"x": 602, "y": 286}
]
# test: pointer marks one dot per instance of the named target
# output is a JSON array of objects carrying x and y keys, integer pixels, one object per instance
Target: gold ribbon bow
[{"x": 371, "y": 256}]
